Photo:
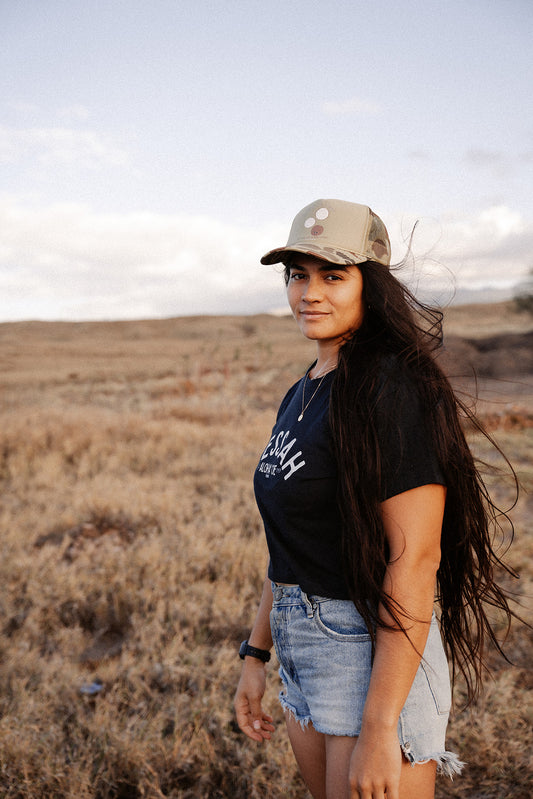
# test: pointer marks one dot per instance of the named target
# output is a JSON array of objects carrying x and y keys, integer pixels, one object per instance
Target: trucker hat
[{"x": 337, "y": 231}]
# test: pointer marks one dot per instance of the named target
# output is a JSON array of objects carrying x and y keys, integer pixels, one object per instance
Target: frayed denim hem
[
  {"x": 305, "y": 721},
  {"x": 289, "y": 709},
  {"x": 448, "y": 763}
]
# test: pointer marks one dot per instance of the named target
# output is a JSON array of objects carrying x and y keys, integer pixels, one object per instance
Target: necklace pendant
[{"x": 301, "y": 416}]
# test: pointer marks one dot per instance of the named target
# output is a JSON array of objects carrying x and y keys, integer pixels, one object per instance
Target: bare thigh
[
  {"x": 418, "y": 780},
  {"x": 415, "y": 781},
  {"x": 324, "y": 763},
  {"x": 309, "y": 747}
]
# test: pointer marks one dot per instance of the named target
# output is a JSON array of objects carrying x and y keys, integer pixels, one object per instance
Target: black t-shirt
[{"x": 296, "y": 480}]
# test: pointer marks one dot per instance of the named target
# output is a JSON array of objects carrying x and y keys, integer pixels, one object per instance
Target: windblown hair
[{"x": 398, "y": 329}]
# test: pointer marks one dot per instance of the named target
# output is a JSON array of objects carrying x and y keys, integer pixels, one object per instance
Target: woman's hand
[
  {"x": 375, "y": 765},
  {"x": 256, "y": 724}
]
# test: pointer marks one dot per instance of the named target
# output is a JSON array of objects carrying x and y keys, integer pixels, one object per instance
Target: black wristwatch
[{"x": 252, "y": 651}]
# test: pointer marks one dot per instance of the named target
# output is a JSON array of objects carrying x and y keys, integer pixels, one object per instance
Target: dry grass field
[{"x": 132, "y": 559}]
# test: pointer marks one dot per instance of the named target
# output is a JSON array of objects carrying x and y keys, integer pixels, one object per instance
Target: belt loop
[
  {"x": 311, "y": 605},
  {"x": 277, "y": 593}
]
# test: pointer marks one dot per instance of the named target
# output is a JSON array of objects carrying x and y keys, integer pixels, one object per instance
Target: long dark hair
[{"x": 398, "y": 329}]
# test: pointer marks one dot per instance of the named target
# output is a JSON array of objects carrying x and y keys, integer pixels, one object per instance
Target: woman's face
[{"x": 326, "y": 299}]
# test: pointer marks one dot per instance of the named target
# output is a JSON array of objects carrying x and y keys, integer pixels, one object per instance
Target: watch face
[{"x": 242, "y": 649}]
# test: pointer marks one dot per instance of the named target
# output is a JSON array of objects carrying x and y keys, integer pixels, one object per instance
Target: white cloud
[
  {"x": 51, "y": 146},
  {"x": 70, "y": 262},
  {"x": 489, "y": 249},
  {"x": 482, "y": 157},
  {"x": 74, "y": 113},
  {"x": 26, "y": 109},
  {"x": 354, "y": 105}
]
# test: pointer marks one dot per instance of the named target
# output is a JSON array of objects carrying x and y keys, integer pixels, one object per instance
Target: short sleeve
[{"x": 407, "y": 453}]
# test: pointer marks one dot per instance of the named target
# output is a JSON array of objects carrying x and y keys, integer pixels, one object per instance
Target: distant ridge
[{"x": 466, "y": 296}]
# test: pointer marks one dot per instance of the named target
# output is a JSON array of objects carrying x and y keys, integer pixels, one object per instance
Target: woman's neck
[{"x": 325, "y": 362}]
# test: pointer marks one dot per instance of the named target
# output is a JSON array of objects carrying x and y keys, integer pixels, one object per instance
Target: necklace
[{"x": 305, "y": 406}]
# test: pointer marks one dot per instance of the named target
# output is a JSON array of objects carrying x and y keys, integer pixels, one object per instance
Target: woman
[{"x": 372, "y": 508}]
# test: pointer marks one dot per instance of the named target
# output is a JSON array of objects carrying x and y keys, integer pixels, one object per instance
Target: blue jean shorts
[{"x": 325, "y": 656}]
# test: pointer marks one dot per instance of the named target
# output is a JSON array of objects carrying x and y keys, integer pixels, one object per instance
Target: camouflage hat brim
[{"x": 334, "y": 256}]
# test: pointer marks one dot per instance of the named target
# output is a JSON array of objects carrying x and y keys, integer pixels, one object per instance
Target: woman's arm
[
  {"x": 413, "y": 522},
  {"x": 250, "y": 716}
]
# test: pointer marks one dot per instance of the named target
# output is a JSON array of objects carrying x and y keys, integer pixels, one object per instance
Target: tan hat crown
[{"x": 337, "y": 231}]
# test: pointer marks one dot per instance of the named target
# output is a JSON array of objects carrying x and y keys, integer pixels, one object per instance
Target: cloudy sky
[{"x": 151, "y": 151}]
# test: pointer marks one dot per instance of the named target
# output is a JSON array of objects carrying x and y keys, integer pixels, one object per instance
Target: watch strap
[{"x": 254, "y": 652}]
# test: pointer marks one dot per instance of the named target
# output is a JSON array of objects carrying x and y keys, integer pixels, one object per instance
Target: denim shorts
[{"x": 325, "y": 656}]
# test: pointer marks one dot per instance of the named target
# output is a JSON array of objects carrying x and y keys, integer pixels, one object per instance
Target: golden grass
[{"x": 133, "y": 557}]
